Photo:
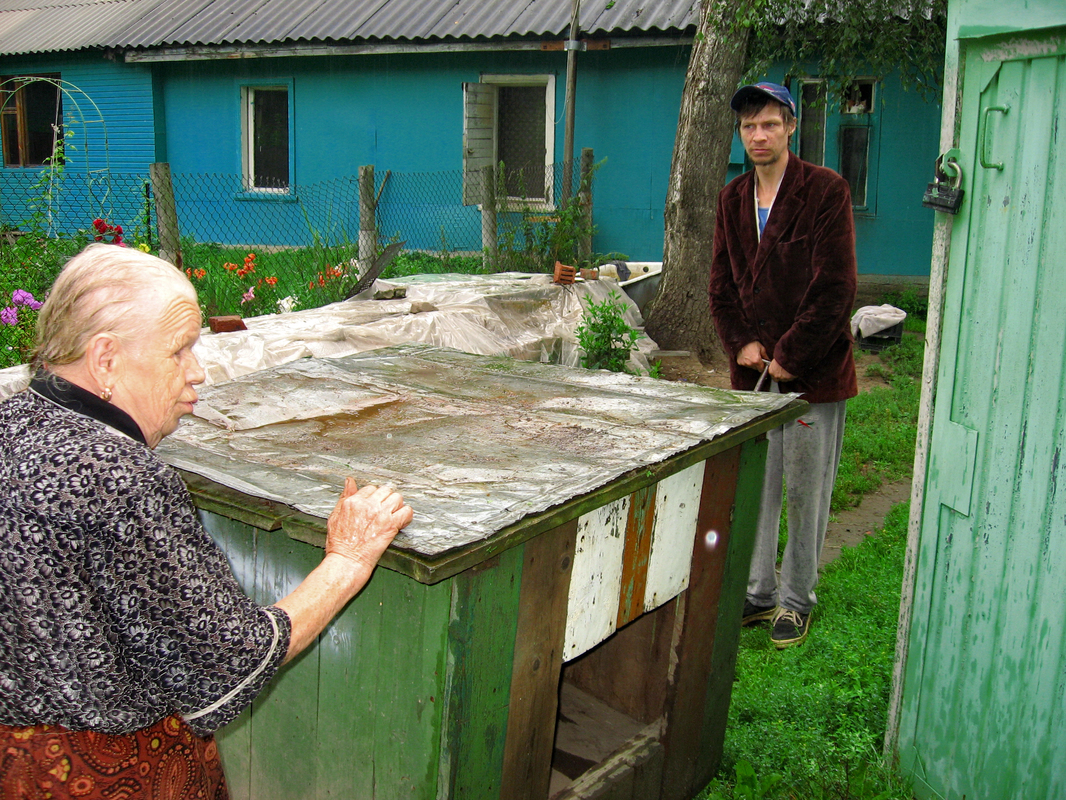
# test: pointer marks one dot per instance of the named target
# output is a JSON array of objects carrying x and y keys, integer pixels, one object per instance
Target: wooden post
[
  {"x": 584, "y": 245},
  {"x": 368, "y": 228},
  {"x": 488, "y": 212},
  {"x": 166, "y": 213}
]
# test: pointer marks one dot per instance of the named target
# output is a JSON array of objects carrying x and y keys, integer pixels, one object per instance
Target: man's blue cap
[{"x": 772, "y": 90}]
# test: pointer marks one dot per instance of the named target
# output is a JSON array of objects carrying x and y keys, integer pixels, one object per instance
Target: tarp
[
  {"x": 521, "y": 315},
  {"x": 475, "y": 443}
]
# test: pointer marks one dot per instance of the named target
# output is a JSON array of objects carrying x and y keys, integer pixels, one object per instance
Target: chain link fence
[{"x": 252, "y": 253}]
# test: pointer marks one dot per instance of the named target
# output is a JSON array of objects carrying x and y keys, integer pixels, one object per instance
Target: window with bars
[
  {"x": 31, "y": 119},
  {"x": 507, "y": 119}
]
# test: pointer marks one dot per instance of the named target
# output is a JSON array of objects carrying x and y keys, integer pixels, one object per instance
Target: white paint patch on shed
[
  {"x": 596, "y": 580},
  {"x": 677, "y": 501}
]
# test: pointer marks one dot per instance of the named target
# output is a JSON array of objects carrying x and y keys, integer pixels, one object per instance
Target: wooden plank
[
  {"x": 730, "y": 605},
  {"x": 382, "y": 663},
  {"x": 411, "y": 660},
  {"x": 676, "y": 506},
  {"x": 287, "y": 712},
  {"x": 705, "y": 649},
  {"x": 348, "y": 659},
  {"x": 235, "y": 740},
  {"x": 538, "y": 660},
  {"x": 481, "y": 641},
  {"x": 639, "y": 525},
  {"x": 597, "y": 577},
  {"x": 633, "y": 772}
]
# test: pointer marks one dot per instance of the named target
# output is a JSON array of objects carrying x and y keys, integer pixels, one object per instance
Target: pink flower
[
  {"x": 248, "y": 296},
  {"x": 9, "y": 316}
]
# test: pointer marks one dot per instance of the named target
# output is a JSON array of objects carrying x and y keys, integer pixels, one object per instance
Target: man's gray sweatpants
[{"x": 805, "y": 454}]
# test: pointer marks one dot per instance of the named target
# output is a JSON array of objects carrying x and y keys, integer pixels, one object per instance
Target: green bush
[{"x": 604, "y": 336}]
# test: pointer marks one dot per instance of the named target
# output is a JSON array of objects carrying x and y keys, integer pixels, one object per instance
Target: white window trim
[
  {"x": 248, "y": 138},
  {"x": 546, "y": 80}
]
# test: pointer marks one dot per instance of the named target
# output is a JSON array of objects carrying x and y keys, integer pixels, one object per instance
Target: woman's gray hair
[{"x": 103, "y": 289}]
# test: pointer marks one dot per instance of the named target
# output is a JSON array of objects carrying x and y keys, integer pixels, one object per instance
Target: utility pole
[{"x": 572, "y": 46}]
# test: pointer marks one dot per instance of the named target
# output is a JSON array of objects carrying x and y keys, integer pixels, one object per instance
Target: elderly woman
[{"x": 125, "y": 640}]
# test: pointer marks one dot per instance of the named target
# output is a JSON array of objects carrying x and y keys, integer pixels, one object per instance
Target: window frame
[
  {"x": 247, "y": 138},
  {"x": 13, "y": 103},
  {"x": 836, "y": 123},
  {"x": 474, "y": 158}
]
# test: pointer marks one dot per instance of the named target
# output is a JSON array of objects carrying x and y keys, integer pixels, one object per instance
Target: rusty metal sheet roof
[{"x": 39, "y": 26}]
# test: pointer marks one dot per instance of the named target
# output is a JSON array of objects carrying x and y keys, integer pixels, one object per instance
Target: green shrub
[{"x": 604, "y": 336}]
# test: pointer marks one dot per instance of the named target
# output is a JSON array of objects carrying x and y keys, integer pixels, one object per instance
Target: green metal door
[{"x": 984, "y": 701}]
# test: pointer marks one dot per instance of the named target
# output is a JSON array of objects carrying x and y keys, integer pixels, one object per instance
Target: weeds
[{"x": 815, "y": 715}]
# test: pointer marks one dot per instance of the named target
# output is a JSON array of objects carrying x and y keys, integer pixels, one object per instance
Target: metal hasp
[{"x": 944, "y": 193}]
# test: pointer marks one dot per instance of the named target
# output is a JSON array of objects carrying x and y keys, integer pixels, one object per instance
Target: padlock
[{"x": 942, "y": 195}]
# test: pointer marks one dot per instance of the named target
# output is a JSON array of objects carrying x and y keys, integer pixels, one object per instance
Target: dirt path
[{"x": 849, "y": 527}]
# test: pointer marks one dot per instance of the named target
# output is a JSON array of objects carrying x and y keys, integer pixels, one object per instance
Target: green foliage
[
  {"x": 44, "y": 193},
  {"x": 915, "y": 303},
  {"x": 878, "y": 440},
  {"x": 605, "y": 337},
  {"x": 532, "y": 239},
  {"x": 814, "y": 716},
  {"x": 846, "y": 39}
]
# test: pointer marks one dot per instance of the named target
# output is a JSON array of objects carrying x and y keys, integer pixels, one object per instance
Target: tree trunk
[{"x": 679, "y": 317}]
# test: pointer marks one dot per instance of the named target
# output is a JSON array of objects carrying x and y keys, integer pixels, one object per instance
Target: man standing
[{"x": 782, "y": 289}]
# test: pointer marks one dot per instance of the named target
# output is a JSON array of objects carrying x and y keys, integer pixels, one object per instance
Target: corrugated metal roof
[{"x": 39, "y": 26}]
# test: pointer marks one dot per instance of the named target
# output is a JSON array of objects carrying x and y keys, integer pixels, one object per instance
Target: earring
[{"x": 105, "y": 395}]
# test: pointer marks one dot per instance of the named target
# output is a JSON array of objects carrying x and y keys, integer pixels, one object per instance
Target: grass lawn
[{"x": 808, "y": 722}]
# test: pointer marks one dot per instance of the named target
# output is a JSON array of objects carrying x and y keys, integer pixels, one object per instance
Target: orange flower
[
  {"x": 200, "y": 273},
  {"x": 272, "y": 281}
]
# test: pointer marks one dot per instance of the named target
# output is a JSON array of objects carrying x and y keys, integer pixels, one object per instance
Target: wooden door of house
[{"x": 983, "y": 711}]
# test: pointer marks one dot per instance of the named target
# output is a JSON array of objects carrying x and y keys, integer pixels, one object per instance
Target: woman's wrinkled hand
[{"x": 365, "y": 521}]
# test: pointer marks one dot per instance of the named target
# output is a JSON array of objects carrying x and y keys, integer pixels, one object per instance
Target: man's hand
[
  {"x": 752, "y": 355},
  {"x": 365, "y": 521},
  {"x": 779, "y": 373}
]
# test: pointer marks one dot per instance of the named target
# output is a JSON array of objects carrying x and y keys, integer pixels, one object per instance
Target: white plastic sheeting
[
  {"x": 475, "y": 443},
  {"x": 514, "y": 314},
  {"x": 522, "y": 315}
]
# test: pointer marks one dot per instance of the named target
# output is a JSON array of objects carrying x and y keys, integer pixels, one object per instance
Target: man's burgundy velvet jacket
[{"x": 794, "y": 290}]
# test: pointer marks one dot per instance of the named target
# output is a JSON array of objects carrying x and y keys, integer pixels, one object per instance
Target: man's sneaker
[
  {"x": 754, "y": 614},
  {"x": 790, "y": 627}
]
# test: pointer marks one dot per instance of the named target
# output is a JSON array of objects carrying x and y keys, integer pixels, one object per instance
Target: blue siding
[
  {"x": 404, "y": 113},
  {"x": 110, "y": 116}
]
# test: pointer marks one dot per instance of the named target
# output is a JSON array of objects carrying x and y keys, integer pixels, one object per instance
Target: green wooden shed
[
  {"x": 577, "y": 534},
  {"x": 979, "y": 703}
]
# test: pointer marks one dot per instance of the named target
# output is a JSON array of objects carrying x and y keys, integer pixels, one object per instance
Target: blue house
[{"x": 258, "y": 105}]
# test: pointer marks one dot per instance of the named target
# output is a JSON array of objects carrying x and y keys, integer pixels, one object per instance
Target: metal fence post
[
  {"x": 368, "y": 228},
  {"x": 584, "y": 245},
  {"x": 166, "y": 213},
  {"x": 488, "y": 212}
]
